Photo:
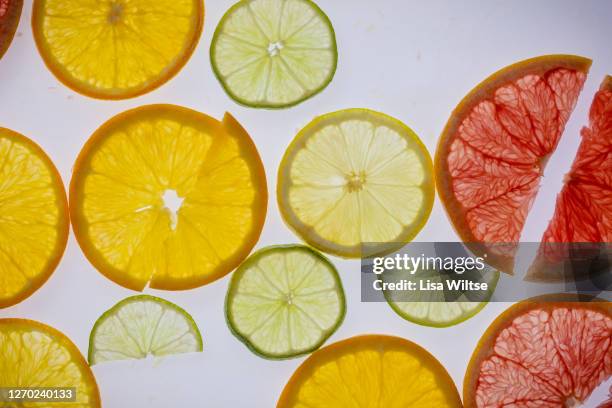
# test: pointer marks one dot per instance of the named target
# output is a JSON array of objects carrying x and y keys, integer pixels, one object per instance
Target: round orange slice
[
  {"x": 167, "y": 196},
  {"x": 492, "y": 152},
  {"x": 34, "y": 355},
  {"x": 544, "y": 352},
  {"x": 370, "y": 371},
  {"x": 33, "y": 217},
  {"x": 116, "y": 49}
]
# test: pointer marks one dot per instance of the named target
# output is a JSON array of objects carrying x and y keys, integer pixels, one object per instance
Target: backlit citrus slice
[
  {"x": 33, "y": 217},
  {"x": 492, "y": 152},
  {"x": 370, "y": 371},
  {"x": 168, "y": 196},
  {"x": 439, "y": 308},
  {"x": 115, "y": 49},
  {"x": 550, "y": 351},
  {"x": 274, "y": 53},
  {"x": 140, "y": 326},
  {"x": 285, "y": 301},
  {"x": 584, "y": 207},
  {"x": 10, "y": 11},
  {"x": 35, "y": 355},
  {"x": 355, "y": 176}
]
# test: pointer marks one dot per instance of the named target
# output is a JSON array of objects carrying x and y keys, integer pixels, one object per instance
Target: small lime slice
[
  {"x": 140, "y": 326},
  {"x": 274, "y": 53},
  {"x": 285, "y": 301},
  {"x": 432, "y": 308}
]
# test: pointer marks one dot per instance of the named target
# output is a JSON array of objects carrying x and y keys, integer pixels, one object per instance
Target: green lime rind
[
  {"x": 448, "y": 322},
  {"x": 232, "y": 292},
  {"x": 164, "y": 304},
  {"x": 264, "y": 105}
]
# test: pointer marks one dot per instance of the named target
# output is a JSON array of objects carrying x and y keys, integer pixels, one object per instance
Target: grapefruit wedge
[
  {"x": 544, "y": 352},
  {"x": 583, "y": 212},
  {"x": 495, "y": 145}
]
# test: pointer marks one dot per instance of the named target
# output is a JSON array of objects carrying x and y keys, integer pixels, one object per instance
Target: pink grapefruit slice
[
  {"x": 583, "y": 213},
  {"x": 493, "y": 150},
  {"x": 542, "y": 352}
]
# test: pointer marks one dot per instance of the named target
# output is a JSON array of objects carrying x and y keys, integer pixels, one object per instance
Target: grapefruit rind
[
  {"x": 8, "y": 24},
  {"x": 484, "y": 91},
  {"x": 485, "y": 346},
  {"x": 344, "y": 351},
  {"x": 228, "y": 127},
  {"x": 63, "y": 227}
]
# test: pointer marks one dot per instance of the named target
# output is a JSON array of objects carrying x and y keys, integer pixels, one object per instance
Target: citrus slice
[
  {"x": 33, "y": 217},
  {"x": 142, "y": 325},
  {"x": 352, "y": 177},
  {"x": 116, "y": 49},
  {"x": 168, "y": 196},
  {"x": 545, "y": 352},
  {"x": 370, "y": 371},
  {"x": 493, "y": 150},
  {"x": 439, "y": 308},
  {"x": 10, "y": 11},
  {"x": 285, "y": 301},
  {"x": 274, "y": 53},
  {"x": 583, "y": 211},
  {"x": 35, "y": 355}
]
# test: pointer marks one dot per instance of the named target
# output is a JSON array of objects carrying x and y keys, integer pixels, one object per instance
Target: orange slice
[
  {"x": 168, "y": 196},
  {"x": 116, "y": 49},
  {"x": 33, "y": 217},
  {"x": 545, "y": 352},
  {"x": 493, "y": 150},
  {"x": 370, "y": 371},
  {"x": 35, "y": 355}
]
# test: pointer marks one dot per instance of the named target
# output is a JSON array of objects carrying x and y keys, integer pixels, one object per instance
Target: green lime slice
[
  {"x": 274, "y": 53},
  {"x": 432, "y": 308},
  {"x": 285, "y": 301},
  {"x": 142, "y": 325}
]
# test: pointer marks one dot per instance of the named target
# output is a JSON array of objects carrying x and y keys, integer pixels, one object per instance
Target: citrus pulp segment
[
  {"x": 33, "y": 218},
  {"x": 116, "y": 49},
  {"x": 168, "y": 196},
  {"x": 33, "y": 355},
  {"x": 140, "y": 326},
  {"x": 10, "y": 11},
  {"x": 547, "y": 352},
  {"x": 352, "y": 177},
  {"x": 583, "y": 211},
  {"x": 492, "y": 152},
  {"x": 274, "y": 53},
  {"x": 370, "y": 371},
  {"x": 439, "y": 308},
  {"x": 285, "y": 301}
]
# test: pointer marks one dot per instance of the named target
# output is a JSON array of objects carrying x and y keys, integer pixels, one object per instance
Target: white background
[{"x": 411, "y": 59}]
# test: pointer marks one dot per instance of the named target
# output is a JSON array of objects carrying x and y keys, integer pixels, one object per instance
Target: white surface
[{"x": 411, "y": 59}]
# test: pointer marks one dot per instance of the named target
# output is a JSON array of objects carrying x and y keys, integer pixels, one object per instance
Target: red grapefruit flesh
[
  {"x": 10, "y": 11},
  {"x": 583, "y": 212},
  {"x": 494, "y": 147},
  {"x": 541, "y": 353}
]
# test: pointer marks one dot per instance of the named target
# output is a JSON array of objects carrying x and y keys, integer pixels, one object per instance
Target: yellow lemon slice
[
  {"x": 370, "y": 371},
  {"x": 33, "y": 217},
  {"x": 115, "y": 49},
  {"x": 35, "y": 355},
  {"x": 168, "y": 196},
  {"x": 352, "y": 177}
]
